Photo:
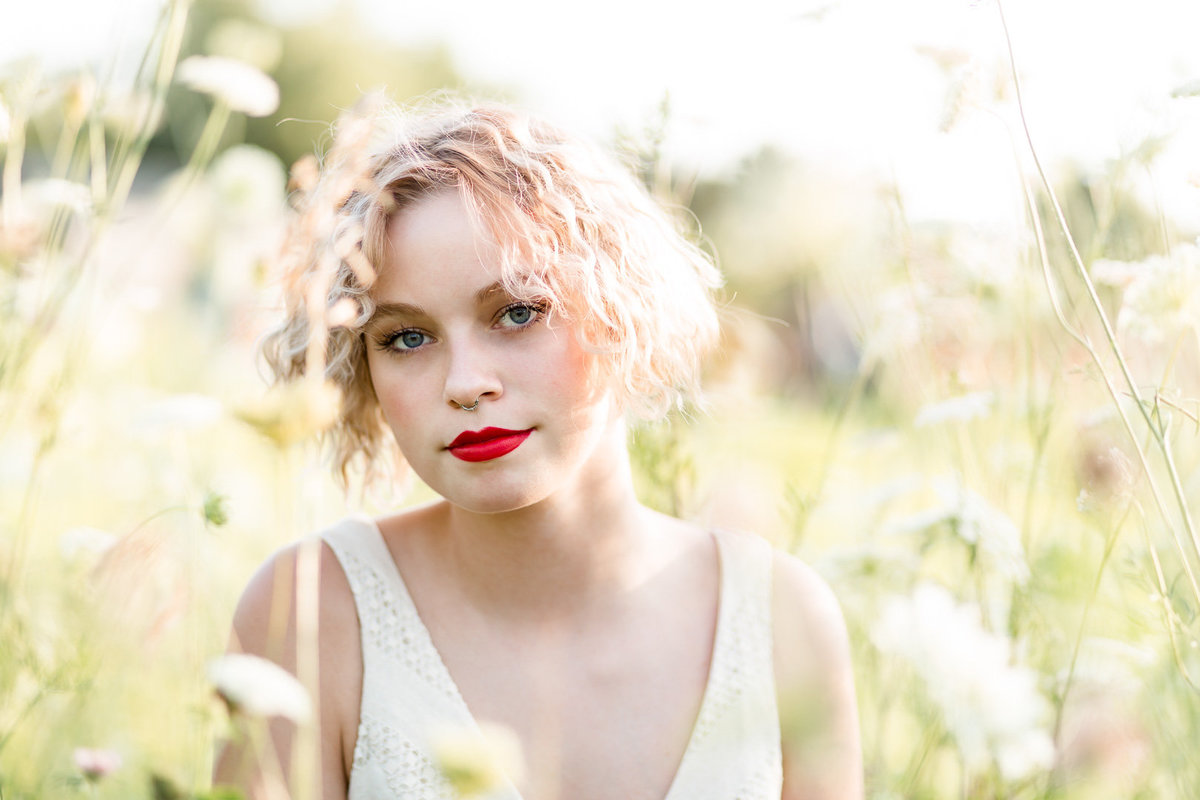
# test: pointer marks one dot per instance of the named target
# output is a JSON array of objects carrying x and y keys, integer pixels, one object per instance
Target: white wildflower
[
  {"x": 258, "y": 687},
  {"x": 1114, "y": 273},
  {"x": 1189, "y": 89},
  {"x": 981, "y": 524},
  {"x": 977, "y": 523},
  {"x": 869, "y": 560},
  {"x": 957, "y": 409},
  {"x": 46, "y": 194},
  {"x": 991, "y": 706},
  {"x": 477, "y": 761},
  {"x": 83, "y": 540},
  {"x": 1164, "y": 297},
  {"x": 249, "y": 182},
  {"x": 243, "y": 87}
]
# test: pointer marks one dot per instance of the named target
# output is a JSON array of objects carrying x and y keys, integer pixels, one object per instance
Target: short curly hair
[{"x": 575, "y": 228}]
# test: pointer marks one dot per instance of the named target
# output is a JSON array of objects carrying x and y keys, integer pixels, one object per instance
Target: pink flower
[{"x": 96, "y": 763}]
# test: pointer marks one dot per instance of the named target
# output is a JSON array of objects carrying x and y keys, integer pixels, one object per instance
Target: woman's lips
[{"x": 487, "y": 444}]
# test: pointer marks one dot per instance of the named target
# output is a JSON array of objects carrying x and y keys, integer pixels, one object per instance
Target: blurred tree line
[{"x": 804, "y": 249}]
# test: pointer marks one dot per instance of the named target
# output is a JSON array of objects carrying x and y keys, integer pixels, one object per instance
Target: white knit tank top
[{"x": 407, "y": 693}]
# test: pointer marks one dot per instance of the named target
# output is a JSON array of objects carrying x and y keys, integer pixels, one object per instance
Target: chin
[
  {"x": 491, "y": 503},
  {"x": 493, "y": 497}
]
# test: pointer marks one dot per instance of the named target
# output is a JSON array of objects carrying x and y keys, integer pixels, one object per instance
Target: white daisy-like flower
[
  {"x": 991, "y": 706},
  {"x": 241, "y": 86},
  {"x": 259, "y": 688}
]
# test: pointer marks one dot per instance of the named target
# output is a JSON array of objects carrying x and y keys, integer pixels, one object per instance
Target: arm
[
  {"x": 269, "y": 622},
  {"x": 822, "y": 754}
]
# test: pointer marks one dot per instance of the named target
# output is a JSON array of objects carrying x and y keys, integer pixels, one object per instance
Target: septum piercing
[{"x": 470, "y": 407}]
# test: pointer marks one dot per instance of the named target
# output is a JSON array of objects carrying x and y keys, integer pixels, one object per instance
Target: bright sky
[{"x": 840, "y": 81}]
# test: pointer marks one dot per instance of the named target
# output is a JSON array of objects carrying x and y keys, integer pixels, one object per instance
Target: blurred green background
[{"x": 986, "y": 445}]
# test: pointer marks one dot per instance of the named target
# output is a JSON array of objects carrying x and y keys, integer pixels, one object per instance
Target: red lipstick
[{"x": 487, "y": 444}]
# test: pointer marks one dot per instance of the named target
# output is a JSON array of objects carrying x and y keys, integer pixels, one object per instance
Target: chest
[
  {"x": 598, "y": 714},
  {"x": 674, "y": 702}
]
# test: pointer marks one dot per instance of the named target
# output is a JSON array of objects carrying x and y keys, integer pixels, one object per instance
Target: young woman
[{"x": 521, "y": 295}]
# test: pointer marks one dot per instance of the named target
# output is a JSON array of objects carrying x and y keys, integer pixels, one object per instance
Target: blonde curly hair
[{"x": 575, "y": 229}]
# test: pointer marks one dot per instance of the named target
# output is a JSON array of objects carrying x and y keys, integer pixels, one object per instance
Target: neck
[{"x": 556, "y": 557}]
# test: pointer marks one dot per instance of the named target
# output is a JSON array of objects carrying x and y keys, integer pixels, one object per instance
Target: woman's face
[{"x": 446, "y": 335}]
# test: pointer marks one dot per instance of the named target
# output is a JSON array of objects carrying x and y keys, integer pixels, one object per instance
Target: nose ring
[{"x": 470, "y": 407}]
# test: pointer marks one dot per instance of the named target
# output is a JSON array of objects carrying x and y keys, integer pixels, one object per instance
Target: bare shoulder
[
  {"x": 272, "y": 607},
  {"x": 811, "y": 631},
  {"x": 815, "y": 684},
  {"x": 298, "y": 611}
]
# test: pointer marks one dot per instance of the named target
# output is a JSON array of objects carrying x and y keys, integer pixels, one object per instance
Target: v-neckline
[{"x": 719, "y": 646}]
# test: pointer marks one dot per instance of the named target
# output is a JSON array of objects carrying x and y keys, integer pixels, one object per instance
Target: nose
[{"x": 471, "y": 375}]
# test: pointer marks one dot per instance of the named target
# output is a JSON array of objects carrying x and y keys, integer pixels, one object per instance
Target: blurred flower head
[
  {"x": 1189, "y": 89},
  {"x": 249, "y": 183},
  {"x": 956, "y": 409},
  {"x": 259, "y": 688},
  {"x": 44, "y": 195},
  {"x": 1105, "y": 474},
  {"x": 1161, "y": 294},
  {"x": 84, "y": 541},
  {"x": 478, "y": 761},
  {"x": 239, "y": 85},
  {"x": 991, "y": 706},
  {"x": 977, "y": 523},
  {"x": 95, "y": 763},
  {"x": 294, "y": 411}
]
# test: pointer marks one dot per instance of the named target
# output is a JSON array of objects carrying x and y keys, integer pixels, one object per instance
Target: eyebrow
[{"x": 410, "y": 310}]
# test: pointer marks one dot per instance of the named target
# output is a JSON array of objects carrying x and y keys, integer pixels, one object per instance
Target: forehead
[{"x": 434, "y": 244}]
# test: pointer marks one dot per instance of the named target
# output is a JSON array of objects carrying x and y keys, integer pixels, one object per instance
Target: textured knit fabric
[{"x": 407, "y": 693}]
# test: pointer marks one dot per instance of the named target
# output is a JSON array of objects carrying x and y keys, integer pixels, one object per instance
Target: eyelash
[{"x": 538, "y": 309}]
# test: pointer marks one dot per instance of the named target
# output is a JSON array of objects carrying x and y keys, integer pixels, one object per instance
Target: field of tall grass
[{"x": 988, "y": 444}]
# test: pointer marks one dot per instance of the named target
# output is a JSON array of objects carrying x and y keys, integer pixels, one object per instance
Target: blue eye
[
  {"x": 405, "y": 340},
  {"x": 519, "y": 315}
]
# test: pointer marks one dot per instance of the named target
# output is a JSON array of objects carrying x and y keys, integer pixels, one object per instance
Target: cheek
[
  {"x": 572, "y": 381},
  {"x": 394, "y": 395}
]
